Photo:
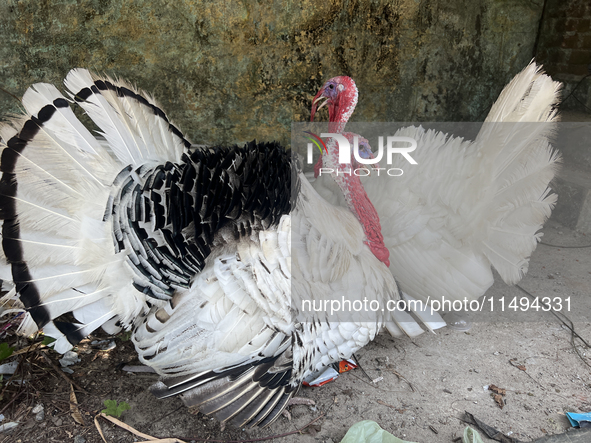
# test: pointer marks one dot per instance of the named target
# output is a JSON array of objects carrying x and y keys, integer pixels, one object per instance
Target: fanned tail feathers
[
  {"x": 55, "y": 185},
  {"x": 515, "y": 140}
]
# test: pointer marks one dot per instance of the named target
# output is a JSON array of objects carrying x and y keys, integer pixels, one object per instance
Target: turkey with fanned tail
[{"x": 192, "y": 249}]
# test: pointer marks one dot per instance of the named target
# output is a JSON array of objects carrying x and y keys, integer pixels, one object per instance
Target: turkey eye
[{"x": 331, "y": 86}]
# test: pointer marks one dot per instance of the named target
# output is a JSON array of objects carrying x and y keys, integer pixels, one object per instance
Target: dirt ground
[{"x": 427, "y": 384}]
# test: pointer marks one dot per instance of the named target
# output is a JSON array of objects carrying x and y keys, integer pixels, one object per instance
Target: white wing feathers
[{"x": 227, "y": 318}]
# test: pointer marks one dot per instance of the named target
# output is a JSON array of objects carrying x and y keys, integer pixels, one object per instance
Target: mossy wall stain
[{"x": 236, "y": 70}]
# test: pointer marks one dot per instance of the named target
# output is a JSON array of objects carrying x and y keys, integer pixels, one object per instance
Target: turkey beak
[{"x": 315, "y": 106}]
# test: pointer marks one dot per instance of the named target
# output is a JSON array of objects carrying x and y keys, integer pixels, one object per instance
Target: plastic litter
[
  {"x": 368, "y": 431},
  {"x": 471, "y": 436},
  {"x": 329, "y": 374},
  {"x": 580, "y": 420}
]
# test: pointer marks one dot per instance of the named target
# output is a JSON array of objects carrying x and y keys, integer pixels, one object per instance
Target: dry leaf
[
  {"x": 76, "y": 415},
  {"x": 98, "y": 427},
  {"x": 497, "y": 390},
  {"x": 518, "y": 366},
  {"x": 499, "y": 400},
  {"x": 149, "y": 438}
]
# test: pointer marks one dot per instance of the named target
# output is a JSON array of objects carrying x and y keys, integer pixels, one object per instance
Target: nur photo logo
[{"x": 364, "y": 156}]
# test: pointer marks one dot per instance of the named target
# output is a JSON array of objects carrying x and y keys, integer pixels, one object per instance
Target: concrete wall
[{"x": 235, "y": 70}]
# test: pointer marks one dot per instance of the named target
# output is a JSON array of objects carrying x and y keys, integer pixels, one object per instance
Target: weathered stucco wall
[{"x": 235, "y": 70}]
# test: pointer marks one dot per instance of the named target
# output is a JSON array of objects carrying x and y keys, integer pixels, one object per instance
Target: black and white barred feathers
[{"x": 189, "y": 248}]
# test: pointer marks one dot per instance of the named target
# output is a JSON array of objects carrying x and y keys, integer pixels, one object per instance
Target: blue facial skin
[
  {"x": 365, "y": 150},
  {"x": 330, "y": 90}
]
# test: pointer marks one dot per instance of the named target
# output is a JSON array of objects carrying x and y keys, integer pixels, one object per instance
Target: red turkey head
[{"x": 340, "y": 94}]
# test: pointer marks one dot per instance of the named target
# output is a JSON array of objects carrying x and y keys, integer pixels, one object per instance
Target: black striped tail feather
[{"x": 11, "y": 246}]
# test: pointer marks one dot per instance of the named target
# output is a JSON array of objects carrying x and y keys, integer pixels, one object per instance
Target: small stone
[
  {"x": 39, "y": 412},
  {"x": 79, "y": 439},
  {"x": 70, "y": 358},
  {"x": 6, "y": 427},
  {"x": 58, "y": 422},
  {"x": 8, "y": 368}
]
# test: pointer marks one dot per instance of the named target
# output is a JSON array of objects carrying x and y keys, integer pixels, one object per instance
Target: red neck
[
  {"x": 367, "y": 214},
  {"x": 358, "y": 202}
]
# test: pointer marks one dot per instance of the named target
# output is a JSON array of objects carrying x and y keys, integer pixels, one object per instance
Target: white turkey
[
  {"x": 190, "y": 248},
  {"x": 467, "y": 205}
]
